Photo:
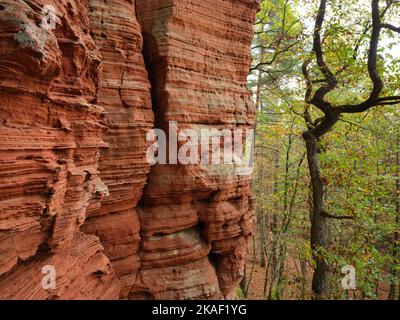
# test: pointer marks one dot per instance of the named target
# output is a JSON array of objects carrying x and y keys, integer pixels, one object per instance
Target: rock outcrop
[{"x": 79, "y": 91}]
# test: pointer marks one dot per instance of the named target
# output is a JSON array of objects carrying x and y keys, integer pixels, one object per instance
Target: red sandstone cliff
[{"x": 76, "y": 189}]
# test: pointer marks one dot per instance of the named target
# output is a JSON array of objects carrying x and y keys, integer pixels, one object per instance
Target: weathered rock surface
[
  {"x": 76, "y": 190},
  {"x": 198, "y": 57},
  {"x": 124, "y": 93}
]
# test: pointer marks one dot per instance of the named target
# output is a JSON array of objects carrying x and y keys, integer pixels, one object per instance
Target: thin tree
[{"x": 316, "y": 96}]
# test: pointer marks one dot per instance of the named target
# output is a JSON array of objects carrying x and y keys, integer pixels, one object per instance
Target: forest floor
[
  {"x": 293, "y": 285},
  {"x": 291, "y": 292}
]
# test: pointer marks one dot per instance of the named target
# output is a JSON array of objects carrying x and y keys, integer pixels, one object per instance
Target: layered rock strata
[{"x": 77, "y": 194}]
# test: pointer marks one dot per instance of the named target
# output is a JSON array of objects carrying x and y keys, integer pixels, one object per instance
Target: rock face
[{"x": 79, "y": 91}]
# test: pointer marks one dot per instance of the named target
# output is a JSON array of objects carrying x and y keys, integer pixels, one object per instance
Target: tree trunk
[
  {"x": 319, "y": 223},
  {"x": 252, "y": 267},
  {"x": 261, "y": 225},
  {"x": 259, "y": 79},
  {"x": 287, "y": 215},
  {"x": 260, "y": 212},
  {"x": 303, "y": 265},
  {"x": 261, "y": 220},
  {"x": 273, "y": 261},
  {"x": 243, "y": 282},
  {"x": 394, "y": 283}
]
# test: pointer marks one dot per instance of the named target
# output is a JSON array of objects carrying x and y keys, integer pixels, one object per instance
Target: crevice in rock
[{"x": 154, "y": 65}]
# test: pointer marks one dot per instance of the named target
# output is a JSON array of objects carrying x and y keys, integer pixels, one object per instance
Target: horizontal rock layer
[{"x": 77, "y": 193}]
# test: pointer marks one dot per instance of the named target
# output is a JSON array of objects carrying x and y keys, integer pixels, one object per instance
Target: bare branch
[
  {"x": 331, "y": 216},
  {"x": 390, "y": 27},
  {"x": 274, "y": 57},
  {"x": 309, "y": 83},
  {"x": 318, "y": 98}
]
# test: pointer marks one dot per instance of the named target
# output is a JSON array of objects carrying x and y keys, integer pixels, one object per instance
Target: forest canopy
[{"x": 326, "y": 84}]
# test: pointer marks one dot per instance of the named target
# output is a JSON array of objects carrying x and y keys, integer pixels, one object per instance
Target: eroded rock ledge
[{"x": 76, "y": 190}]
